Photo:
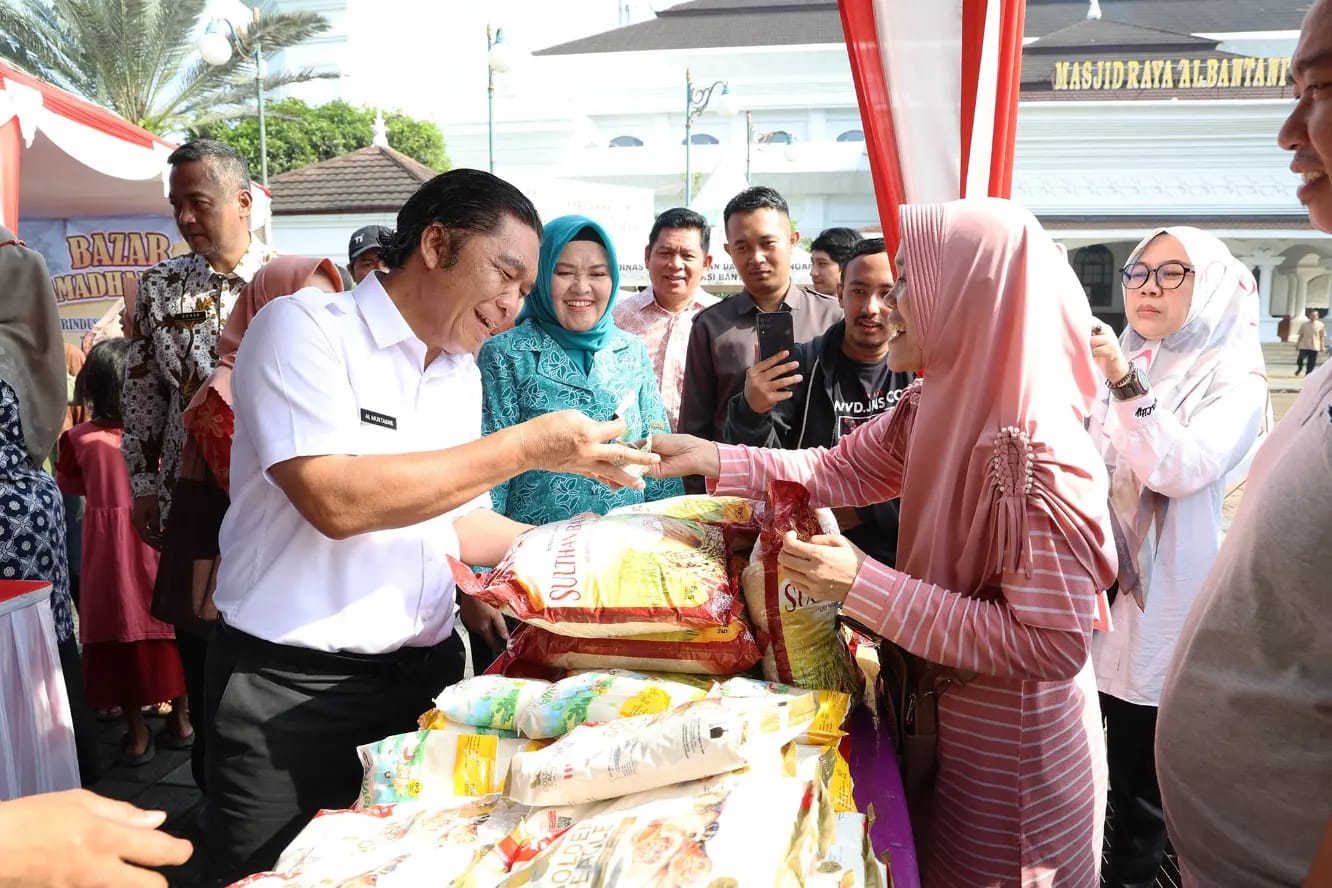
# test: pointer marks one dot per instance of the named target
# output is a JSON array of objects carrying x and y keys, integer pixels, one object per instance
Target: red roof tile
[{"x": 368, "y": 180}]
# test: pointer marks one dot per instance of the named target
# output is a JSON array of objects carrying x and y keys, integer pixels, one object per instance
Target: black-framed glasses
[{"x": 1169, "y": 275}]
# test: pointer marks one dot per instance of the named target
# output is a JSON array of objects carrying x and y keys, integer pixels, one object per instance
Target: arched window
[
  {"x": 852, "y": 136},
  {"x": 702, "y": 139},
  {"x": 1095, "y": 267},
  {"x": 777, "y": 137},
  {"x": 626, "y": 142}
]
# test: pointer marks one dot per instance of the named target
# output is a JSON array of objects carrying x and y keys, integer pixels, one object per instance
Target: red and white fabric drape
[{"x": 938, "y": 85}]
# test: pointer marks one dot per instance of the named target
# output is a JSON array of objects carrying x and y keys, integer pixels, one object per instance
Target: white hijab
[{"x": 1215, "y": 351}]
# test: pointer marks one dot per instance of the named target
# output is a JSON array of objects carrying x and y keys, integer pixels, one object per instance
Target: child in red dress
[{"x": 129, "y": 658}]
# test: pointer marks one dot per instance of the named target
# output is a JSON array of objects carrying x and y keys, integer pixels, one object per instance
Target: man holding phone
[
  {"x": 823, "y": 389},
  {"x": 723, "y": 342}
]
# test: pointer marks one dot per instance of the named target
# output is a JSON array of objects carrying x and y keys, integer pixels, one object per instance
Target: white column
[{"x": 1267, "y": 325}]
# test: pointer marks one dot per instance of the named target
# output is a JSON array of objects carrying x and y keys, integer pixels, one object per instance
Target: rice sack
[
  {"x": 722, "y": 651},
  {"x": 612, "y": 576},
  {"x": 489, "y": 701},
  {"x": 433, "y": 766},
  {"x": 798, "y": 635},
  {"x": 600, "y": 697},
  {"x": 699, "y": 739},
  {"x": 729, "y": 832}
]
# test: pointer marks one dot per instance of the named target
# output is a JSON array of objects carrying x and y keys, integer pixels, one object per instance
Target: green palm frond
[{"x": 139, "y": 57}]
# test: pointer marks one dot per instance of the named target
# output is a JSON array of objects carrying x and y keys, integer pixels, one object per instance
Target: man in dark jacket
[{"x": 831, "y": 385}]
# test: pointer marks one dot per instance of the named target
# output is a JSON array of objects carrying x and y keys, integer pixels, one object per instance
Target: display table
[{"x": 38, "y": 752}]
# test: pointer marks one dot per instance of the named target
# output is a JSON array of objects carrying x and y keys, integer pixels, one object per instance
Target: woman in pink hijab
[
  {"x": 208, "y": 418},
  {"x": 1004, "y": 544}
]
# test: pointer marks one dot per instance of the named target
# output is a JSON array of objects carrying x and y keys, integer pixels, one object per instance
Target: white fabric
[
  {"x": 982, "y": 132},
  {"x": 915, "y": 37},
  {"x": 1170, "y": 454},
  {"x": 38, "y": 753},
  {"x": 308, "y": 367}
]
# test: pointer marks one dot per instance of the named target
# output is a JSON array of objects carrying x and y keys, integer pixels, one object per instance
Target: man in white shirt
[
  {"x": 357, "y": 471},
  {"x": 676, "y": 257}
]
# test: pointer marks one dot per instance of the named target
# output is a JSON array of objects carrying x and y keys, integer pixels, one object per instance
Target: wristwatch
[{"x": 1130, "y": 387}]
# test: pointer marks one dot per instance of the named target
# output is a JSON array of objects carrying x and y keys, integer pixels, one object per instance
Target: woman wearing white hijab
[{"x": 1186, "y": 404}]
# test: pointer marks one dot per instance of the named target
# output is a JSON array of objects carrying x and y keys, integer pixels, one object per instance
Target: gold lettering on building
[{"x": 1110, "y": 75}]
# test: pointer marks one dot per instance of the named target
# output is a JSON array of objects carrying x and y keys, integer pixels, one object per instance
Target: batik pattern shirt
[
  {"x": 32, "y": 518},
  {"x": 178, "y": 316}
]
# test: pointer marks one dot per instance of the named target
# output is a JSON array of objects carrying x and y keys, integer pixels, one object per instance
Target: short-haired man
[
  {"x": 724, "y": 341},
  {"x": 1309, "y": 341},
  {"x": 179, "y": 310},
  {"x": 1244, "y": 739},
  {"x": 676, "y": 257},
  {"x": 357, "y": 471},
  {"x": 364, "y": 251},
  {"x": 828, "y": 254},
  {"x": 845, "y": 383}
]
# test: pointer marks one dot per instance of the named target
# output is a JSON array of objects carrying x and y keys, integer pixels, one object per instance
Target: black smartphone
[{"x": 776, "y": 332}]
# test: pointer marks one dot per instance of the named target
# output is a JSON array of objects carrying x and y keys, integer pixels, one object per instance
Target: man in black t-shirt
[{"x": 831, "y": 385}]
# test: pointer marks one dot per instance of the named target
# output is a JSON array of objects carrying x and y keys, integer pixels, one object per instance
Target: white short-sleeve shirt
[{"x": 339, "y": 373}]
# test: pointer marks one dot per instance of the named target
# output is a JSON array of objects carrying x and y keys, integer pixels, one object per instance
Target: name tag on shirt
[
  {"x": 379, "y": 419},
  {"x": 189, "y": 317}
]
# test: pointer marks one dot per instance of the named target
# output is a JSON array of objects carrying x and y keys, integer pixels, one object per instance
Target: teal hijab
[{"x": 540, "y": 305}]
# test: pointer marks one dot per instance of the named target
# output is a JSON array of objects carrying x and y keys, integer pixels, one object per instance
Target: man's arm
[
  {"x": 143, "y": 394},
  {"x": 294, "y": 405}
]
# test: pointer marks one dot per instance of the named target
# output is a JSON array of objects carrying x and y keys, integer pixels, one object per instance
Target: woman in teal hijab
[{"x": 566, "y": 353}]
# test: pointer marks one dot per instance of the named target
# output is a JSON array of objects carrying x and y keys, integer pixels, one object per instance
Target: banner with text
[{"x": 96, "y": 262}]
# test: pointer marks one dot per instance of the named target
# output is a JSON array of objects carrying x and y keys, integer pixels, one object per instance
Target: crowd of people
[{"x": 276, "y": 463}]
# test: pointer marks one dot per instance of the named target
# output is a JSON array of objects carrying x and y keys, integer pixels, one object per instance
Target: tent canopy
[{"x": 66, "y": 157}]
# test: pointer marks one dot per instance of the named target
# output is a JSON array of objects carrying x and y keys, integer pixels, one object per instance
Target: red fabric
[
  {"x": 214, "y": 426},
  {"x": 973, "y": 37},
  {"x": 1006, "y": 101},
  {"x": 876, "y": 113},
  {"x": 137, "y": 673},
  {"x": 11, "y": 144}
]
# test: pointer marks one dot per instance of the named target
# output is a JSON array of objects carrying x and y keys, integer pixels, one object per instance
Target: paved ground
[{"x": 165, "y": 783}]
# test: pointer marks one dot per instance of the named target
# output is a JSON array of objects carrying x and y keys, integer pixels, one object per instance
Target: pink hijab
[
  {"x": 282, "y": 276},
  {"x": 996, "y": 426}
]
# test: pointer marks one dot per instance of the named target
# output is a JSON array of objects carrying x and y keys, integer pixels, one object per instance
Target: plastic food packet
[
  {"x": 716, "y": 832},
  {"x": 394, "y": 846},
  {"x": 699, "y": 739},
  {"x": 536, "y": 832},
  {"x": 434, "y": 766},
  {"x": 798, "y": 635},
  {"x": 830, "y": 716},
  {"x": 434, "y": 720},
  {"x": 599, "y": 697},
  {"x": 489, "y": 701},
  {"x": 723, "y": 651},
  {"x": 612, "y": 576},
  {"x": 848, "y": 861}
]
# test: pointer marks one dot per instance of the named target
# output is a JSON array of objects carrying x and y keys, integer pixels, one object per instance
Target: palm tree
[{"x": 139, "y": 57}]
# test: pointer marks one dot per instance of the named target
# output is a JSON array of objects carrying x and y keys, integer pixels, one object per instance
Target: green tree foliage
[
  {"x": 299, "y": 135},
  {"x": 140, "y": 57}
]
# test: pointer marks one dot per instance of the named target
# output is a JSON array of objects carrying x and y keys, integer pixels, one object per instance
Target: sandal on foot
[
  {"x": 168, "y": 739},
  {"x": 127, "y": 760}
]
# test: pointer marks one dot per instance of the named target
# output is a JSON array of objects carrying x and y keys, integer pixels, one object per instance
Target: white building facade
[{"x": 1172, "y": 124}]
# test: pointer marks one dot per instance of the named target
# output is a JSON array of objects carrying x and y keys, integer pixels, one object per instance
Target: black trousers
[
  {"x": 1138, "y": 844},
  {"x": 284, "y": 727},
  {"x": 1306, "y": 356},
  {"x": 193, "y": 654}
]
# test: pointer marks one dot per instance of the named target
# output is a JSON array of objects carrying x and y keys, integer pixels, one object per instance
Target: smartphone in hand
[{"x": 776, "y": 332}]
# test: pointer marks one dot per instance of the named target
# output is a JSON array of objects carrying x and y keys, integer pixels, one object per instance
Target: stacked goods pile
[{"x": 682, "y": 734}]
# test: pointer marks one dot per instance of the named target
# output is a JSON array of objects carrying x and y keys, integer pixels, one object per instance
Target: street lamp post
[
  {"x": 696, "y": 102},
  {"x": 749, "y": 141},
  {"x": 220, "y": 39},
  {"x": 497, "y": 62}
]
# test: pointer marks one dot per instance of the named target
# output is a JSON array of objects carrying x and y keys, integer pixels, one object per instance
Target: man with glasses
[{"x": 1242, "y": 743}]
